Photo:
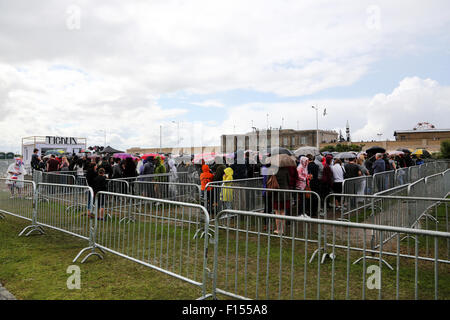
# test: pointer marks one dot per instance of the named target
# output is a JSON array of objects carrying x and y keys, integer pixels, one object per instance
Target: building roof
[{"x": 420, "y": 131}]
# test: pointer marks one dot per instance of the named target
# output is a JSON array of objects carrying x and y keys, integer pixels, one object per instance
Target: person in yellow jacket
[{"x": 227, "y": 194}]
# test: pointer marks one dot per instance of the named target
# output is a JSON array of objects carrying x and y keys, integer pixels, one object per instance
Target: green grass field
[
  {"x": 258, "y": 266},
  {"x": 35, "y": 268}
]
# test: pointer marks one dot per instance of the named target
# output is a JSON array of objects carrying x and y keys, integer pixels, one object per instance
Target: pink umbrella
[
  {"x": 207, "y": 157},
  {"x": 122, "y": 155}
]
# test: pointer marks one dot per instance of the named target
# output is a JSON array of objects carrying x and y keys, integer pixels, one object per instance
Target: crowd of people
[{"x": 322, "y": 174}]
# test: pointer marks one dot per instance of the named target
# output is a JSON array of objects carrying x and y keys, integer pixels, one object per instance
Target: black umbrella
[
  {"x": 108, "y": 149},
  {"x": 376, "y": 149},
  {"x": 280, "y": 150},
  {"x": 404, "y": 150}
]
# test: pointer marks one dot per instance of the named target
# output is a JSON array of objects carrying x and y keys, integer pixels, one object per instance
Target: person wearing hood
[
  {"x": 239, "y": 167},
  {"x": 227, "y": 194},
  {"x": 219, "y": 172},
  {"x": 327, "y": 178},
  {"x": 149, "y": 167},
  {"x": 302, "y": 170},
  {"x": 159, "y": 169},
  {"x": 205, "y": 178},
  {"x": 16, "y": 173},
  {"x": 173, "y": 178}
]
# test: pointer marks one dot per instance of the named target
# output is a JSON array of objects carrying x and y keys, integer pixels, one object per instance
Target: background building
[
  {"x": 428, "y": 134},
  {"x": 265, "y": 139},
  {"x": 181, "y": 150},
  {"x": 46, "y": 143}
]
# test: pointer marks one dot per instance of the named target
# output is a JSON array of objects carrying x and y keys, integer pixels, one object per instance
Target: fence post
[
  {"x": 92, "y": 231},
  {"x": 34, "y": 224}
]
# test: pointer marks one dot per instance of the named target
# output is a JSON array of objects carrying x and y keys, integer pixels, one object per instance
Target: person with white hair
[
  {"x": 16, "y": 175},
  {"x": 173, "y": 177},
  {"x": 379, "y": 166}
]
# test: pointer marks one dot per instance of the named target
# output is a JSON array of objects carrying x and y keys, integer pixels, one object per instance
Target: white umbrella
[{"x": 302, "y": 151}]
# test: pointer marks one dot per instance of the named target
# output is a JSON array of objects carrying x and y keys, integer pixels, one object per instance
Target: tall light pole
[
  {"x": 160, "y": 137},
  {"x": 178, "y": 132},
  {"x": 317, "y": 125}
]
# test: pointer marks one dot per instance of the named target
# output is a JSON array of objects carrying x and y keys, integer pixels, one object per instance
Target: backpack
[{"x": 272, "y": 182}]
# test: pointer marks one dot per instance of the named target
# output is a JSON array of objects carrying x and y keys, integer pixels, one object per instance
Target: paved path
[{"x": 5, "y": 294}]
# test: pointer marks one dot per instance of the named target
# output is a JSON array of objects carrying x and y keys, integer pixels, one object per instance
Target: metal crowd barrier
[
  {"x": 245, "y": 199},
  {"x": 61, "y": 207},
  {"x": 58, "y": 177},
  {"x": 251, "y": 263},
  {"x": 276, "y": 201},
  {"x": 171, "y": 237},
  {"x": 182, "y": 177},
  {"x": 414, "y": 173},
  {"x": 435, "y": 186},
  {"x": 389, "y": 179},
  {"x": 17, "y": 198},
  {"x": 358, "y": 185},
  {"x": 184, "y": 192},
  {"x": 394, "y": 211},
  {"x": 383, "y": 181},
  {"x": 402, "y": 176}
]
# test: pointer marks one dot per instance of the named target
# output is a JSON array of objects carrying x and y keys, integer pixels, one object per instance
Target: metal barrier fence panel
[
  {"x": 402, "y": 176},
  {"x": 401, "y": 190},
  {"x": 394, "y": 211},
  {"x": 446, "y": 176},
  {"x": 118, "y": 186},
  {"x": 81, "y": 181},
  {"x": 17, "y": 198},
  {"x": 169, "y": 236},
  {"x": 284, "y": 202},
  {"x": 180, "y": 177},
  {"x": 58, "y": 177},
  {"x": 250, "y": 263},
  {"x": 383, "y": 181},
  {"x": 417, "y": 188},
  {"x": 358, "y": 185},
  {"x": 65, "y": 208},
  {"x": 184, "y": 192},
  {"x": 435, "y": 186},
  {"x": 414, "y": 173}
]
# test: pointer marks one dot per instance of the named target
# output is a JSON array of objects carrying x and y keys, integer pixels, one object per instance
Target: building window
[
  {"x": 303, "y": 140},
  {"x": 293, "y": 141},
  {"x": 285, "y": 141}
]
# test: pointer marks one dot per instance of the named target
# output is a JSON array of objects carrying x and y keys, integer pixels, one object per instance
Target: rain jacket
[
  {"x": 302, "y": 170},
  {"x": 16, "y": 171},
  {"x": 227, "y": 194},
  {"x": 206, "y": 177},
  {"x": 160, "y": 168}
]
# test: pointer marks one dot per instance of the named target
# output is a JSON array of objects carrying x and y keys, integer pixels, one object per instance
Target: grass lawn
[
  {"x": 35, "y": 268},
  {"x": 255, "y": 265}
]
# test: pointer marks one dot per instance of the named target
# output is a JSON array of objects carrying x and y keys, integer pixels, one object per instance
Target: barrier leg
[
  {"x": 33, "y": 228},
  {"x": 374, "y": 258},
  {"x": 93, "y": 253}
]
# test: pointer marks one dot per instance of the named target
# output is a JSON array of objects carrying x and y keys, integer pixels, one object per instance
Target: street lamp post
[
  {"x": 317, "y": 125},
  {"x": 160, "y": 137},
  {"x": 178, "y": 132}
]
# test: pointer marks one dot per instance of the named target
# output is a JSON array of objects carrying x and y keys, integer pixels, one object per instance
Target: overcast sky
[{"x": 80, "y": 68}]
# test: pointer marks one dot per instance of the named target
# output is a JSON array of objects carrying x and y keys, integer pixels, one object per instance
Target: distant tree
[
  {"x": 328, "y": 149},
  {"x": 445, "y": 149}
]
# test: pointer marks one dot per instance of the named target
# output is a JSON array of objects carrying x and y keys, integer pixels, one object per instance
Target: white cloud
[
  {"x": 209, "y": 103},
  {"x": 414, "y": 100},
  {"x": 109, "y": 73}
]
